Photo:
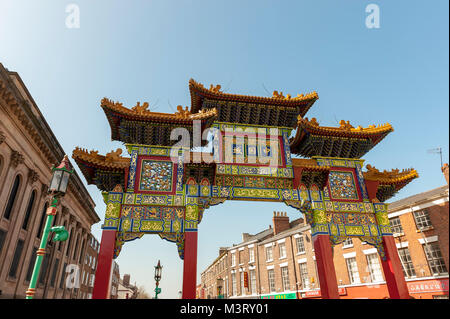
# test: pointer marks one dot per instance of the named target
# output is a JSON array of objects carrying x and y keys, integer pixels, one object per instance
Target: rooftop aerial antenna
[
  {"x": 437, "y": 150},
  {"x": 266, "y": 89}
]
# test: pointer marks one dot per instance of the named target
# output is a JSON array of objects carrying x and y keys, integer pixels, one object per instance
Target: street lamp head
[
  {"x": 60, "y": 178},
  {"x": 158, "y": 270}
]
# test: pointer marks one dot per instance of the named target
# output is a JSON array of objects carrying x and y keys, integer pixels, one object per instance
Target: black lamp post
[{"x": 158, "y": 270}]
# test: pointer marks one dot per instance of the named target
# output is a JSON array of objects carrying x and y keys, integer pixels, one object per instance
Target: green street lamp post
[
  {"x": 158, "y": 270},
  {"x": 57, "y": 189}
]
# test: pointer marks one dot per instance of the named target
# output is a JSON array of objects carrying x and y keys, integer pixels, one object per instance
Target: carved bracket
[
  {"x": 16, "y": 158},
  {"x": 33, "y": 176}
]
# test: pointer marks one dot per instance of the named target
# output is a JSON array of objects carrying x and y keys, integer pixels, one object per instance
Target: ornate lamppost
[
  {"x": 158, "y": 270},
  {"x": 57, "y": 189}
]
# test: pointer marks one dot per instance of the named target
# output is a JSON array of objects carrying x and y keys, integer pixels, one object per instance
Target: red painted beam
[
  {"x": 190, "y": 265},
  {"x": 297, "y": 176},
  {"x": 372, "y": 188},
  {"x": 393, "y": 272},
  {"x": 104, "y": 265},
  {"x": 325, "y": 267}
]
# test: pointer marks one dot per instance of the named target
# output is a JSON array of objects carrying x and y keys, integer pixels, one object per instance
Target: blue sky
[{"x": 148, "y": 50}]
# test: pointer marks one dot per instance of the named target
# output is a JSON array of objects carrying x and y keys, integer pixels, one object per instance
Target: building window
[
  {"x": 348, "y": 242},
  {"x": 69, "y": 242},
  {"x": 252, "y": 281},
  {"x": 63, "y": 273},
  {"x": 41, "y": 223},
  {"x": 374, "y": 268},
  {"x": 269, "y": 253},
  {"x": 251, "y": 254},
  {"x": 74, "y": 256},
  {"x": 271, "y": 276},
  {"x": 233, "y": 284},
  {"x": 352, "y": 269},
  {"x": 241, "y": 256},
  {"x": 233, "y": 259},
  {"x": 396, "y": 225},
  {"x": 81, "y": 252},
  {"x": 29, "y": 210},
  {"x": 12, "y": 198},
  {"x": 422, "y": 219},
  {"x": 2, "y": 239},
  {"x": 43, "y": 272},
  {"x": 285, "y": 278},
  {"x": 300, "y": 245},
  {"x": 282, "y": 249},
  {"x": 407, "y": 265},
  {"x": 241, "y": 275},
  {"x": 435, "y": 259},
  {"x": 16, "y": 259},
  {"x": 304, "y": 275},
  {"x": 55, "y": 270},
  {"x": 31, "y": 265}
]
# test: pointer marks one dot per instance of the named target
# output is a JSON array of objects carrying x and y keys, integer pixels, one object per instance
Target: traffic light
[{"x": 61, "y": 234}]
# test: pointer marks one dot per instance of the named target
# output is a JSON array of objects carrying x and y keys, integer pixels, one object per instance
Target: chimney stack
[
  {"x": 445, "y": 171},
  {"x": 245, "y": 236},
  {"x": 280, "y": 222}
]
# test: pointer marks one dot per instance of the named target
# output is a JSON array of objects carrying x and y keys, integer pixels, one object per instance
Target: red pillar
[
  {"x": 190, "y": 265},
  {"x": 393, "y": 272},
  {"x": 104, "y": 265},
  {"x": 325, "y": 267}
]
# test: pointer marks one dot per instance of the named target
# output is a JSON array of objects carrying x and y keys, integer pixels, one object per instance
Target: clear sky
[{"x": 148, "y": 50}]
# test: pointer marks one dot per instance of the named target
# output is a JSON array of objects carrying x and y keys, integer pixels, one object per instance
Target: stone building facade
[
  {"x": 115, "y": 280},
  {"x": 280, "y": 261},
  {"x": 28, "y": 149}
]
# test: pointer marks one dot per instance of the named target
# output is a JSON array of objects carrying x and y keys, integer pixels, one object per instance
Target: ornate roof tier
[
  {"x": 103, "y": 171},
  {"x": 390, "y": 182},
  {"x": 345, "y": 141},
  {"x": 278, "y": 110},
  {"x": 311, "y": 173},
  {"x": 138, "y": 125}
]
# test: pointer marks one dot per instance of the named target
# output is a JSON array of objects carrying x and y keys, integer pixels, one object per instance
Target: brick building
[
  {"x": 280, "y": 261},
  {"x": 88, "y": 268},
  {"x": 28, "y": 148}
]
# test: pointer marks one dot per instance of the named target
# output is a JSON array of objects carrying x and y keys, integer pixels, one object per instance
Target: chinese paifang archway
[{"x": 150, "y": 192}]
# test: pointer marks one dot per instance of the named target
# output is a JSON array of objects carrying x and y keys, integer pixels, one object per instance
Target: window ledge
[
  {"x": 424, "y": 229},
  {"x": 398, "y": 234},
  {"x": 301, "y": 253},
  {"x": 348, "y": 246}
]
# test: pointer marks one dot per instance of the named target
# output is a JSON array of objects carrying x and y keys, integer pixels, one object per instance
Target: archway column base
[
  {"x": 190, "y": 265},
  {"x": 393, "y": 272},
  {"x": 325, "y": 267},
  {"x": 102, "y": 283}
]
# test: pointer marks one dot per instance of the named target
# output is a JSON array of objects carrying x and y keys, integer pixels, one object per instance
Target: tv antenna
[{"x": 437, "y": 150}]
